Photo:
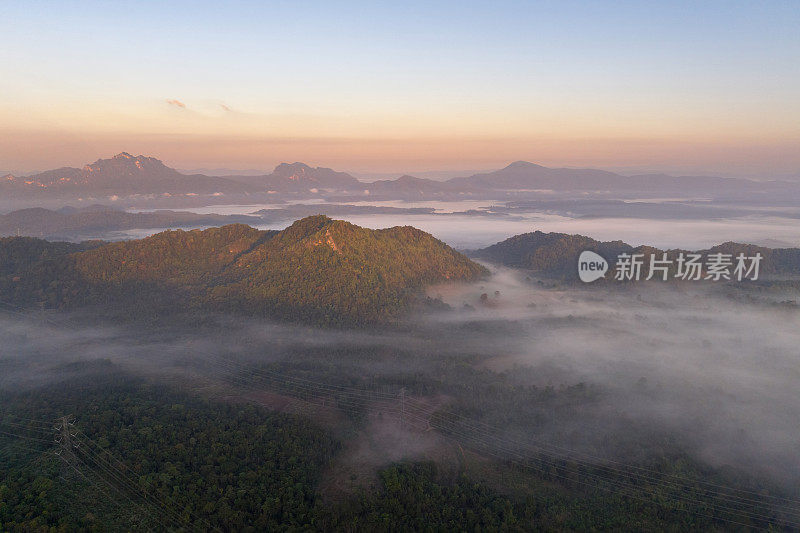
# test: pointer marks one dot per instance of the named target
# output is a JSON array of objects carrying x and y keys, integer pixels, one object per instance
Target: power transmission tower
[
  {"x": 65, "y": 432},
  {"x": 66, "y": 437},
  {"x": 63, "y": 437}
]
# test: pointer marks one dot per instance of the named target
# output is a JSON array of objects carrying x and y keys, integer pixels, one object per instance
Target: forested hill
[
  {"x": 18, "y": 254},
  {"x": 557, "y": 253},
  {"x": 72, "y": 223},
  {"x": 549, "y": 252},
  {"x": 317, "y": 270}
]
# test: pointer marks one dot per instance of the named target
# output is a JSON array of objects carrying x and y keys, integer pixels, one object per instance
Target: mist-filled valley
[
  {"x": 425, "y": 359},
  {"x": 544, "y": 403}
]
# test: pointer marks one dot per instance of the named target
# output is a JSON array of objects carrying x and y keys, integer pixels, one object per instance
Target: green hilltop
[{"x": 317, "y": 270}]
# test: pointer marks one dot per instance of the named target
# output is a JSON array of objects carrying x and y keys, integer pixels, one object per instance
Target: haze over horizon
[{"x": 374, "y": 88}]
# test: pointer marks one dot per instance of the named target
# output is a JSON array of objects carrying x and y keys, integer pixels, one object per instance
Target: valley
[{"x": 522, "y": 397}]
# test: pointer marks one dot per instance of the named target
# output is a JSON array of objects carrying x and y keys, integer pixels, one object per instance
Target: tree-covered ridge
[
  {"x": 323, "y": 270},
  {"x": 317, "y": 270},
  {"x": 93, "y": 220},
  {"x": 175, "y": 257},
  {"x": 21, "y": 253},
  {"x": 549, "y": 252},
  {"x": 557, "y": 253}
]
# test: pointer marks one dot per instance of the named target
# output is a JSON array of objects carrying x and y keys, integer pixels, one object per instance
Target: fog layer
[{"x": 688, "y": 362}]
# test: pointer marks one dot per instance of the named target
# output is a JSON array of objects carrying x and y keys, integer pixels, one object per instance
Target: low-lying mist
[
  {"x": 687, "y": 363},
  {"x": 718, "y": 374}
]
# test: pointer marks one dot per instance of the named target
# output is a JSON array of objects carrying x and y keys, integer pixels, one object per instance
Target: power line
[
  {"x": 551, "y": 463},
  {"x": 487, "y": 438}
]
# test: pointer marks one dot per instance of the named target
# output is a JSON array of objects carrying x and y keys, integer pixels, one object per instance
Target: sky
[{"x": 706, "y": 87}]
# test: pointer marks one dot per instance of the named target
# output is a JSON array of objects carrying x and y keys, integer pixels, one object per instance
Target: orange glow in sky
[{"x": 367, "y": 88}]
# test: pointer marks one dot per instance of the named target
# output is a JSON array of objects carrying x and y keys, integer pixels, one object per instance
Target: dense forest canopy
[
  {"x": 317, "y": 270},
  {"x": 144, "y": 456}
]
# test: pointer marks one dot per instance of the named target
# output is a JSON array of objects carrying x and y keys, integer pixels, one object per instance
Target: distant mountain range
[{"x": 125, "y": 175}]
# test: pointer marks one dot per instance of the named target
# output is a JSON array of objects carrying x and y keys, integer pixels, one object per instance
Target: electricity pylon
[{"x": 65, "y": 432}]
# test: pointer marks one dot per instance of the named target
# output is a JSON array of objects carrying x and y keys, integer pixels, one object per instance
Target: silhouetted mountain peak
[
  {"x": 132, "y": 164},
  {"x": 313, "y": 176},
  {"x": 292, "y": 169},
  {"x": 122, "y": 173},
  {"x": 519, "y": 165}
]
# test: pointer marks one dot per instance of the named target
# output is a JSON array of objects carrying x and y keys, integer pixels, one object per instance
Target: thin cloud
[{"x": 176, "y": 103}]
